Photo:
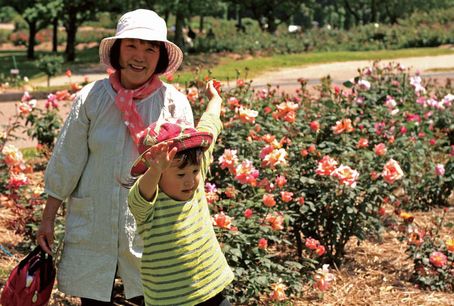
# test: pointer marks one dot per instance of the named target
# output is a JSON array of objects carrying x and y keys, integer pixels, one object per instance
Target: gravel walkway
[{"x": 342, "y": 71}]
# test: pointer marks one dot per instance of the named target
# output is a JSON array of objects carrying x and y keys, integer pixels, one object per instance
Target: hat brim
[
  {"x": 174, "y": 53},
  {"x": 198, "y": 140}
]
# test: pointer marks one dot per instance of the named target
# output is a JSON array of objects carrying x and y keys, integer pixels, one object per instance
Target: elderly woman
[{"x": 94, "y": 153}]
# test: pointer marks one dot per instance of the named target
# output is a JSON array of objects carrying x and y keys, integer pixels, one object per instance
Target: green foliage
[
  {"x": 11, "y": 80},
  {"x": 104, "y": 20},
  {"x": 7, "y": 14},
  {"x": 385, "y": 106},
  {"x": 432, "y": 255},
  {"x": 4, "y": 34},
  {"x": 93, "y": 36},
  {"x": 44, "y": 126},
  {"x": 419, "y": 30},
  {"x": 51, "y": 65}
]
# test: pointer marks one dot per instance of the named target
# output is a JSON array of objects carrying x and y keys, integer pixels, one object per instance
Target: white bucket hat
[{"x": 145, "y": 25}]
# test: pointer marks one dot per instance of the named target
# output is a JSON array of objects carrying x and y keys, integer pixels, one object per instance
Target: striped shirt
[{"x": 182, "y": 262}]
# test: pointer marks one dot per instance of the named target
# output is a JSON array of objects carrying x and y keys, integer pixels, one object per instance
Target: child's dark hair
[
  {"x": 163, "y": 61},
  {"x": 191, "y": 156}
]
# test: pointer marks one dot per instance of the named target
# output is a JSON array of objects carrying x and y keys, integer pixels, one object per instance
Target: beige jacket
[{"x": 93, "y": 154}]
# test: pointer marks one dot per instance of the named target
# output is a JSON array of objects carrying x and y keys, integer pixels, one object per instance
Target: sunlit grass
[
  {"x": 228, "y": 67},
  {"x": 444, "y": 69}
]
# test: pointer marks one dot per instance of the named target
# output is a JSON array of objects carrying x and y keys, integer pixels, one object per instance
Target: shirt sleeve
[
  {"x": 141, "y": 209},
  {"x": 70, "y": 153},
  {"x": 212, "y": 124}
]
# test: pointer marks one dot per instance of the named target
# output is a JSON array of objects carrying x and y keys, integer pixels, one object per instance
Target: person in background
[
  {"x": 182, "y": 262},
  {"x": 94, "y": 152}
]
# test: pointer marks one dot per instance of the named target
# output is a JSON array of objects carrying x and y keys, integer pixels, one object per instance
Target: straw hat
[
  {"x": 145, "y": 25},
  {"x": 180, "y": 135}
]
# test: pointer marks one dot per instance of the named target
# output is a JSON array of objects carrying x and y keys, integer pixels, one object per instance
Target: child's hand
[
  {"x": 159, "y": 157},
  {"x": 213, "y": 89}
]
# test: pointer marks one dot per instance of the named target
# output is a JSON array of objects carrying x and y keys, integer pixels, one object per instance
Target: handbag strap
[
  {"x": 29, "y": 256},
  {"x": 38, "y": 259},
  {"x": 47, "y": 271}
]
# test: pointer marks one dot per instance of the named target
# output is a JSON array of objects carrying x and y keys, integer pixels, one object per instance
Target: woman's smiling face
[{"x": 138, "y": 59}]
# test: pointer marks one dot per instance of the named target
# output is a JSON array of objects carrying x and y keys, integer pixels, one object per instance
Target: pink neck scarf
[{"x": 125, "y": 102}]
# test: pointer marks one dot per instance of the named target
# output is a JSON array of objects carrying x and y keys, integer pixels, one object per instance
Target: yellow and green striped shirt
[{"x": 182, "y": 262}]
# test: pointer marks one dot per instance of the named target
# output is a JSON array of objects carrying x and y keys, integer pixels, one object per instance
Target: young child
[{"x": 182, "y": 262}]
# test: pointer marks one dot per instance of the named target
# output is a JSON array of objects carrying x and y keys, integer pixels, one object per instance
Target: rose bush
[
  {"x": 431, "y": 252},
  {"x": 296, "y": 176},
  {"x": 320, "y": 168}
]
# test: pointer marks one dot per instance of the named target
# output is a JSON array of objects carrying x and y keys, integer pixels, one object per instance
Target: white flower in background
[
  {"x": 447, "y": 100},
  {"x": 415, "y": 81},
  {"x": 390, "y": 102},
  {"x": 394, "y": 112},
  {"x": 435, "y": 104},
  {"x": 364, "y": 84}
]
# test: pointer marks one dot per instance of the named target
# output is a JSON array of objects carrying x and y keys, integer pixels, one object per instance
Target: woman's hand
[{"x": 45, "y": 234}]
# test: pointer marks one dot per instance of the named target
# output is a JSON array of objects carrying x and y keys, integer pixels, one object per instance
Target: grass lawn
[
  {"x": 443, "y": 69},
  {"x": 18, "y": 59},
  {"x": 227, "y": 67}
]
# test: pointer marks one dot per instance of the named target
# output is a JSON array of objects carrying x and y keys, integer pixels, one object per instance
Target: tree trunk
[
  {"x": 239, "y": 20},
  {"x": 349, "y": 9},
  {"x": 201, "y": 24},
  {"x": 347, "y": 20},
  {"x": 374, "y": 12},
  {"x": 179, "y": 22},
  {"x": 299, "y": 242},
  {"x": 31, "y": 39},
  {"x": 55, "y": 35},
  {"x": 71, "y": 31},
  {"x": 272, "y": 26},
  {"x": 392, "y": 17}
]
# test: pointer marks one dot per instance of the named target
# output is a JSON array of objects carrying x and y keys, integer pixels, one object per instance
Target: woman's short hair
[{"x": 161, "y": 66}]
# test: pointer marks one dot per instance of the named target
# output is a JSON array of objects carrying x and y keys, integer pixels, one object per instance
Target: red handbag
[{"x": 31, "y": 281}]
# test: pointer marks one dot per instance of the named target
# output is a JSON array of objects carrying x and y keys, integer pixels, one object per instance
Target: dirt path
[
  {"x": 342, "y": 71},
  {"x": 339, "y": 71},
  {"x": 285, "y": 78}
]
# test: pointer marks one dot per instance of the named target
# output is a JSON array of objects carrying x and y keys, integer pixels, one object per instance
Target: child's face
[{"x": 180, "y": 183}]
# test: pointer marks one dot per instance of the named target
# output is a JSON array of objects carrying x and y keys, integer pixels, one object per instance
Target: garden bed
[
  {"x": 374, "y": 273},
  {"x": 297, "y": 181}
]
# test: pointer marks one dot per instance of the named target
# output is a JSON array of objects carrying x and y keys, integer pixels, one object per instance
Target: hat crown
[
  {"x": 142, "y": 19},
  {"x": 162, "y": 131}
]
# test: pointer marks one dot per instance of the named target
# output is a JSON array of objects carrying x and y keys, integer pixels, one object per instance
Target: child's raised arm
[{"x": 215, "y": 103}]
